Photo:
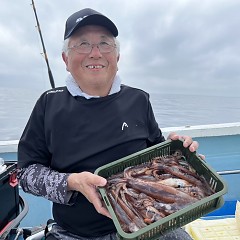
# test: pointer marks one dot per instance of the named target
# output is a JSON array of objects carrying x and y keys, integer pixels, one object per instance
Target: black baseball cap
[{"x": 88, "y": 16}]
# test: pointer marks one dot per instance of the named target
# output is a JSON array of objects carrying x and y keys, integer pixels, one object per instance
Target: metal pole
[{"x": 227, "y": 172}]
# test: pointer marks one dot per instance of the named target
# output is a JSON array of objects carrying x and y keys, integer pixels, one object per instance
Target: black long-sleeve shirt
[{"x": 68, "y": 134}]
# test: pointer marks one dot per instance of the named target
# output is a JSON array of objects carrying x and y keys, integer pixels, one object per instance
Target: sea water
[{"x": 171, "y": 110}]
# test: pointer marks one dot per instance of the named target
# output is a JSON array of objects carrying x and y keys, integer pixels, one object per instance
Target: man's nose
[{"x": 95, "y": 52}]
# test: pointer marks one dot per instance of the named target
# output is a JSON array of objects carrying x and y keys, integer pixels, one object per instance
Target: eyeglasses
[{"x": 86, "y": 47}]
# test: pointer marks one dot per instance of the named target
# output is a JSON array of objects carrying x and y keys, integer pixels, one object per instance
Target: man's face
[{"x": 94, "y": 70}]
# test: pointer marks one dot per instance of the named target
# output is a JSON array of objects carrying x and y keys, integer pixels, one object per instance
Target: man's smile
[{"x": 95, "y": 66}]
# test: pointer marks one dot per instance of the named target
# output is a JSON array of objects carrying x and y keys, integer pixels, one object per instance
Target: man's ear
[{"x": 65, "y": 59}]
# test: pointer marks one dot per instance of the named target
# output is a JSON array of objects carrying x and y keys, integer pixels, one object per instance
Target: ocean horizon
[{"x": 171, "y": 110}]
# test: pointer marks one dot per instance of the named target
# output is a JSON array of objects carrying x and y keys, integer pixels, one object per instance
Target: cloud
[{"x": 166, "y": 46}]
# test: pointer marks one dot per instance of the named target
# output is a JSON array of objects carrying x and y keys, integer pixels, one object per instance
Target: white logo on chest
[{"x": 124, "y": 125}]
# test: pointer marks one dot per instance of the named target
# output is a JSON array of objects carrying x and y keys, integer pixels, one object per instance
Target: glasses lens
[
  {"x": 84, "y": 47},
  {"x": 105, "y": 47}
]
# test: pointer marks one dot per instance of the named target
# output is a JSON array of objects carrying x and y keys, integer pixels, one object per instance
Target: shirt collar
[{"x": 75, "y": 90}]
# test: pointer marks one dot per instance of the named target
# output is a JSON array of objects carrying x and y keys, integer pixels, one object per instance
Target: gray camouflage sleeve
[{"x": 43, "y": 181}]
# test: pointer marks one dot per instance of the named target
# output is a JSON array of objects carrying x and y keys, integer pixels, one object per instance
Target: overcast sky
[{"x": 175, "y": 46}]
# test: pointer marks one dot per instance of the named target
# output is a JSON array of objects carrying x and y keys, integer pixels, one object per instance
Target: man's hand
[
  {"x": 187, "y": 142},
  {"x": 87, "y": 183}
]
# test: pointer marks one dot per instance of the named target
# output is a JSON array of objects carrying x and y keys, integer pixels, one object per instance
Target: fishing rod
[{"x": 43, "y": 46}]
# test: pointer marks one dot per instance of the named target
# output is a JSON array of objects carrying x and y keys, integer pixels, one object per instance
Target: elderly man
[{"x": 90, "y": 122}]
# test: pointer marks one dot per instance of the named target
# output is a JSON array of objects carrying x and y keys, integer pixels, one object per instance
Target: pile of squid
[{"x": 145, "y": 193}]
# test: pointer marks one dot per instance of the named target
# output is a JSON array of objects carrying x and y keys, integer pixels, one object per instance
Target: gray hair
[{"x": 66, "y": 45}]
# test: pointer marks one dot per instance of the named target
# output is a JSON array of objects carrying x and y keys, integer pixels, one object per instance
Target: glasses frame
[{"x": 77, "y": 49}]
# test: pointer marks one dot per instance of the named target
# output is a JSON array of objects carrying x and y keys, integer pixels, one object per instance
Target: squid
[{"x": 146, "y": 193}]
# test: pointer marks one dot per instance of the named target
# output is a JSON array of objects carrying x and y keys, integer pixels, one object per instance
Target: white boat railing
[
  {"x": 8, "y": 146},
  {"x": 210, "y": 130}
]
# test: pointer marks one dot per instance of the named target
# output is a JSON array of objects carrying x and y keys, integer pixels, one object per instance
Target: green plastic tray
[{"x": 181, "y": 217}]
